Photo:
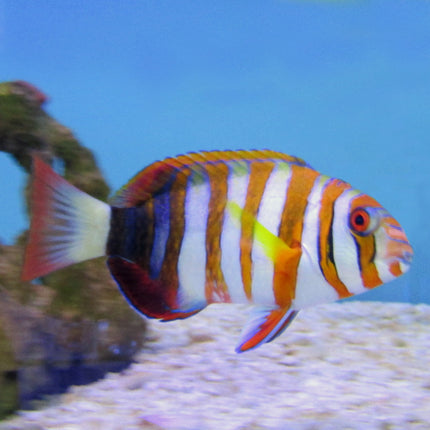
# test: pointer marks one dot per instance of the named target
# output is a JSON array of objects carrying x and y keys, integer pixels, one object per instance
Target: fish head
[{"x": 382, "y": 250}]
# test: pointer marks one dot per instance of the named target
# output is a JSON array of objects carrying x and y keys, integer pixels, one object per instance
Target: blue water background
[{"x": 343, "y": 84}]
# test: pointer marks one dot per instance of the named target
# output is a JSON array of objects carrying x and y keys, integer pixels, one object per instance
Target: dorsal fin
[{"x": 159, "y": 175}]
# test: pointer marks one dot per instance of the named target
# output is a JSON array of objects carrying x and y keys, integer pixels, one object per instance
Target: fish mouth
[
  {"x": 398, "y": 249},
  {"x": 405, "y": 260},
  {"x": 407, "y": 257}
]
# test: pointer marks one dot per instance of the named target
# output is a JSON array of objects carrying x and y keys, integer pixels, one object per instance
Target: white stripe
[
  {"x": 345, "y": 250},
  {"x": 311, "y": 287},
  {"x": 230, "y": 239},
  {"x": 192, "y": 258},
  {"x": 269, "y": 215}
]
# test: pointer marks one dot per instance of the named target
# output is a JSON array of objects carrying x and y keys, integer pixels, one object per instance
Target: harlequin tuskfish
[{"x": 257, "y": 227}]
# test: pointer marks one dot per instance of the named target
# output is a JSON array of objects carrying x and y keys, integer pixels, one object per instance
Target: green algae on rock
[{"x": 73, "y": 319}]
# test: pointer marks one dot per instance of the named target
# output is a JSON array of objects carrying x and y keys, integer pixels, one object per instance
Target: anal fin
[
  {"x": 148, "y": 296},
  {"x": 264, "y": 325}
]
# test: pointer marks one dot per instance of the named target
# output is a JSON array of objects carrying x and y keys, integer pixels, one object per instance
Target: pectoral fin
[{"x": 265, "y": 325}]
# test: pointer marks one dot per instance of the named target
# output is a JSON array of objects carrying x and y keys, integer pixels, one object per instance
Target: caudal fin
[{"x": 67, "y": 225}]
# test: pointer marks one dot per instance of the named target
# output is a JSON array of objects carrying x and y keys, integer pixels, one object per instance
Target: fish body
[{"x": 257, "y": 227}]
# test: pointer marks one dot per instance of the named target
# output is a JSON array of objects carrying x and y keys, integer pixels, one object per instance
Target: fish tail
[{"x": 67, "y": 225}]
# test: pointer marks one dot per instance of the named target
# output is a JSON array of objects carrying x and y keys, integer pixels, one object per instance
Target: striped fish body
[
  {"x": 187, "y": 236},
  {"x": 255, "y": 227}
]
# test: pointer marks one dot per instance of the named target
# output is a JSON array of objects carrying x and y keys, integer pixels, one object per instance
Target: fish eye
[{"x": 362, "y": 222}]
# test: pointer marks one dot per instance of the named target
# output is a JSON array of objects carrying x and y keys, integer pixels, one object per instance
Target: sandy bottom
[{"x": 354, "y": 365}]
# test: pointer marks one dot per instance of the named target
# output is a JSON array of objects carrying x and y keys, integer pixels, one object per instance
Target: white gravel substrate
[{"x": 353, "y": 365}]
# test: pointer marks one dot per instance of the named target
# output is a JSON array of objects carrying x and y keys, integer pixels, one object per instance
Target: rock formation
[{"x": 73, "y": 325}]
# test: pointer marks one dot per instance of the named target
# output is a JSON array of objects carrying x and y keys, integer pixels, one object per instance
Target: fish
[{"x": 252, "y": 226}]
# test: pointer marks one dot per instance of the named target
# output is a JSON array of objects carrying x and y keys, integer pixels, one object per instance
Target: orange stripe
[
  {"x": 258, "y": 176},
  {"x": 366, "y": 253},
  {"x": 363, "y": 200},
  {"x": 325, "y": 250},
  {"x": 169, "y": 268},
  {"x": 216, "y": 288},
  {"x": 395, "y": 269},
  {"x": 290, "y": 231},
  {"x": 366, "y": 246}
]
